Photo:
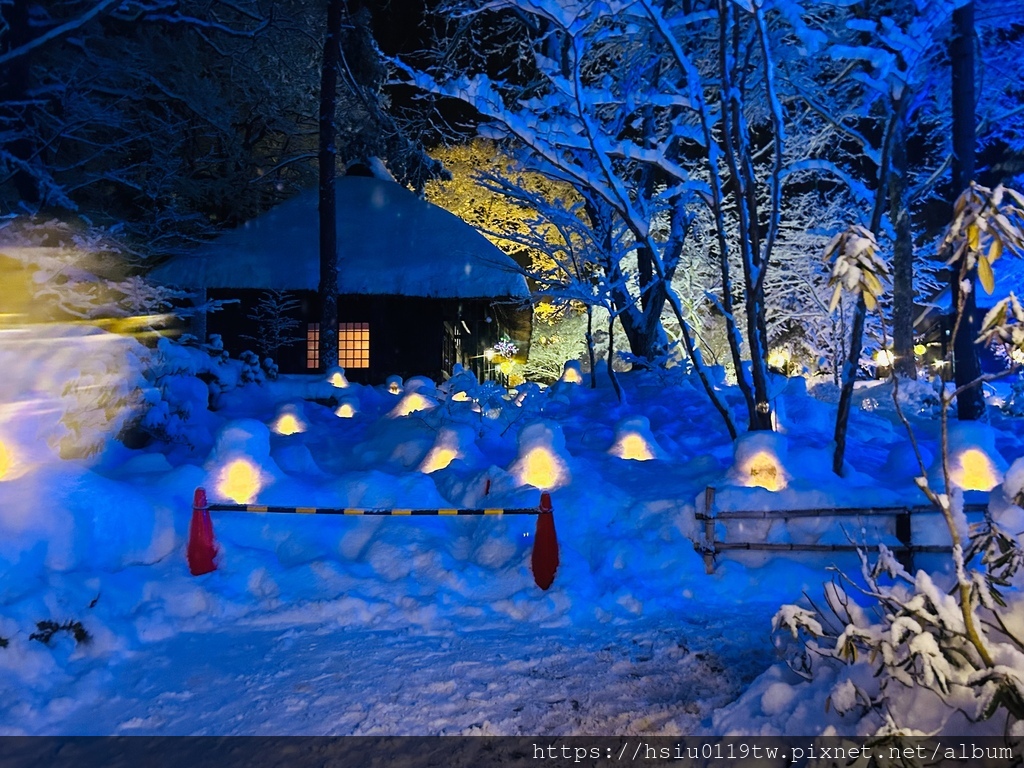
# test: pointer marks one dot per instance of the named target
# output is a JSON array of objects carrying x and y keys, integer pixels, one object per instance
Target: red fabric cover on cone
[
  {"x": 544, "y": 561},
  {"x": 201, "y": 546}
]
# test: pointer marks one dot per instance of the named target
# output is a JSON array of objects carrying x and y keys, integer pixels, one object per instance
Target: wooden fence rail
[{"x": 708, "y": 546}]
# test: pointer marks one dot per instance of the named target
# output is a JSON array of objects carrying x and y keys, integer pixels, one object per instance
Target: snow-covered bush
[
  {"x": 189, "y": 379},
  {"x": 915, "y": 644},
  {"x": 1014, "y": 404}
]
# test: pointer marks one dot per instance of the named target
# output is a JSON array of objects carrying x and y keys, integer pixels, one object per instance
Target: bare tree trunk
[
  {"x": 852, "y": 364},
  {"x": 903, "y": 252},
  {"x": 970, "y": 404},
  {"x": 850, "y": 368},
  {"x": 327, "y": 198}
]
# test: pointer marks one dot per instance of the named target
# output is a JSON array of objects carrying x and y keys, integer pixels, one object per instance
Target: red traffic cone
[
  {"x": 201, "y": 546},
  {"x": 545, "y": 545}
]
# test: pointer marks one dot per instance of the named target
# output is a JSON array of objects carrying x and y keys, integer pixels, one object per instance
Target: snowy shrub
[
  {"x": 915, "y": 638},
  {"x": 1014, "y": 404},
  {"x": 189, "y": 379},
  {"x": 252, "y": 370},
  {"x": 921, "y": 397}
]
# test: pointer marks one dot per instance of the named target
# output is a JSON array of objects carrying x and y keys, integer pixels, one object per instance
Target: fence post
[
  {"x": 709, "y": 530},
  {"x": 905, "y": 555}
]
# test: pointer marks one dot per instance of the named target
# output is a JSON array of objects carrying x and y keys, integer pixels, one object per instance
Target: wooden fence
[{"x": 714, "y": 520}]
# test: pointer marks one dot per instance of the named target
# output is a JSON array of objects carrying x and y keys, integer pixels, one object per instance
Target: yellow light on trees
[
  {"x": 920, "y": 349},
  {"x": 885, "y": 357},
  {"x": 239, "y": 481},
  {"x": 778, "y": 358}
]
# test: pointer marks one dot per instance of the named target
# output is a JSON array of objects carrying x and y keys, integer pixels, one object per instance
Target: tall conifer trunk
[
  {"x": 327, "y": 198},
  {"x": 970, "y": 405}
]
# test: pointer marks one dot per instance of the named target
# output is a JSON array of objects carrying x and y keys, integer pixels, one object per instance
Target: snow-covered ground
[{"x": 317, "y": 624}]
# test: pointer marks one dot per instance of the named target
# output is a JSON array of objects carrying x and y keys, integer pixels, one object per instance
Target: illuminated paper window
[
  {"x": 313, "y": 346},
  {"x": 353, "y": 345}
]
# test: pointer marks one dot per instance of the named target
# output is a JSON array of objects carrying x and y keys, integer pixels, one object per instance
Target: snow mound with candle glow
[{"x": 759, "y": 461}]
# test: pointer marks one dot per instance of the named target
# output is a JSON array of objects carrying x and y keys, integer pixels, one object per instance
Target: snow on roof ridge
[{"x": 390, "y": 242}]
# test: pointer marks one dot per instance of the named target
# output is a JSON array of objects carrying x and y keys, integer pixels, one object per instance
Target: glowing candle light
[
  {"x": 438, "y": 458},
  {"x": 973, "y": 470},
  {"x": 239, "y": 481},
  {"x": 632, "y": 446},
  {"x": 288, "y": 424},
  {"x": 6, "y": 461},
  {"x": 541, "y": 469},
  {"x": 345, "y": 411},
  {"x": 412, "y": 403},
  {"x": 571, "y": 374}
]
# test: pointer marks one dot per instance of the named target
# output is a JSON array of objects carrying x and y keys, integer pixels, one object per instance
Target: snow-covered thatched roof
[{"x": 390, "y": 242}]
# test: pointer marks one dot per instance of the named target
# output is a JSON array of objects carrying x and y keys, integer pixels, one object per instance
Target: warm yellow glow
[
  {"x": 394, "y": 389},
  {"x": 571, "y": 376},
  {"x": 6, "y": 461},
  {"x": 460, "y": 397},
  {"x": 338, "y": 380},
  {"x": 345, "y": 411},
  {"x": 411, "y": 403},
  {"x": 778, "y": 358},
  {"x": 884, "y": 357},
  {"x": 632, "y": 446},
  {"x": 763, "y": 471},
  {"x": 541, "y": 469},
  {"x": 920, "y": 349},
  {"x": 288, "y": 424},
  {"x": 438, "y": 458},
  {"x": 239, "y": 481},
  {"x": 489, "y": 354},
  {"x": 506, "y": 366},
  {"x": 973, "y": 471}
]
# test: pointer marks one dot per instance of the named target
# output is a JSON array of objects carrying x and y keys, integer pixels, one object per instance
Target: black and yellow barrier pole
[{"x": 544, "y": 559}]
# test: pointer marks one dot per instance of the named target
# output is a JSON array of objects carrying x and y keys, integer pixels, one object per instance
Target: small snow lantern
[
  {"x": 239, "y": 481},
  {"x": 288, "y": 423},
  {"x": 974, "y": 462},
  {"x": 411, "y": 403},
  {"x": 336, "y": 378},
  {"x": 571, "y": 373},
  {"x": 758, "y": 461},
  {"x": 394, "y": 385},
  {"x": 460, "y": 397},
  {"x": 634, "y": 441},
  {"x": 444, "y": 451},
  {"x": 541, "y": 458},
  {"x": 345, "y": 411},
  {"x": 240, "y": 454}
]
